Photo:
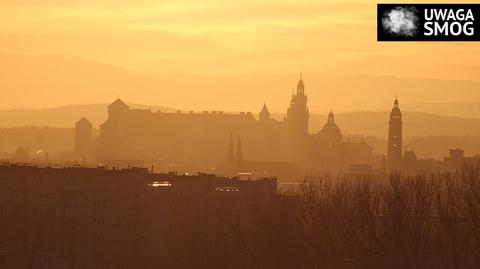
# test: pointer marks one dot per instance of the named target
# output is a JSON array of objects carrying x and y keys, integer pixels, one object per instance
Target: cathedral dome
[{"x": 330, "y": 133}]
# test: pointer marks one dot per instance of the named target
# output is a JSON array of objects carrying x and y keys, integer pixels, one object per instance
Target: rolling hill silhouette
[
  {"x": 456, "y": 109},
  {"x": 375, "y": 123},
  {"x": 366, "y": 123},
  {"x": 64, "y": 116},
  {"x": 43, "y": 81}
]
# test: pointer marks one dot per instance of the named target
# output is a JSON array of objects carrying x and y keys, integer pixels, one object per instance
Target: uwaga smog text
[{"x": 448, "y": 22}]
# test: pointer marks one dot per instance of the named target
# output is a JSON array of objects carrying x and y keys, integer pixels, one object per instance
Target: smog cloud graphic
[{"x": 400, "y": 21}]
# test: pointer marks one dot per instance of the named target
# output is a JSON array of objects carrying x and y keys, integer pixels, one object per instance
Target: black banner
[{"x": 428, "y": 22}]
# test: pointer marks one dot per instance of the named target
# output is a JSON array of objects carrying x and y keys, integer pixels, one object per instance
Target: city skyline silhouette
[{"x": 263, "y": 134}]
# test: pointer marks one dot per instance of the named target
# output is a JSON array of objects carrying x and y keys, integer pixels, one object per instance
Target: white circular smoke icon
[{"x": 400, "y": 21}]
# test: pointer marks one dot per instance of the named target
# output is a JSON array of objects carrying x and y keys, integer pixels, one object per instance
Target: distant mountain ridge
[
  {"x": 39, "y": 81},
  {"x": 415, "y": 124},
  {"x": 368, "y": 123},
  {"x": 54, "y": 80},
  {"x": 64, "y": 116},
  {"x": 455, "y": 109}
]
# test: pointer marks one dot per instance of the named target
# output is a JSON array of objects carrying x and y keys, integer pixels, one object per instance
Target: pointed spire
[
  {"x": 331, "y": 117},
  {"x": 264, "y": 114},
  {"x": 230, "y": 158},
  {"x": 300, "y": 85}
]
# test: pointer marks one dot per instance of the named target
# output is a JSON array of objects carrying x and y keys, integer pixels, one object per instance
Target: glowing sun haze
[
  {"x": 218, "y": 38},
  {"x": 225, "y": 37}
]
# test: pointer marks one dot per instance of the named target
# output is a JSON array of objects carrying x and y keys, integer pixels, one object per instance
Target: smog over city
[{"x": 242, "y": 134}]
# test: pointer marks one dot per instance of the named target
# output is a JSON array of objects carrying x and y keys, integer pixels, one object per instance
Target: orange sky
[{"x": 227, "y": 37}]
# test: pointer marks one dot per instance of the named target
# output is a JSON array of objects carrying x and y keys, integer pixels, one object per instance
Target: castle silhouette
[{"x": 202, "y": 141}]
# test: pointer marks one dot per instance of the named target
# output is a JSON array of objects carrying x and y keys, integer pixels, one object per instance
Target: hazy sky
[{"x": 227, "y": 37}]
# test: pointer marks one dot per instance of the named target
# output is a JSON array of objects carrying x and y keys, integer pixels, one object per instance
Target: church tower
[
  {"x": 394, "y": 153},
  {"x": 297, "y": 113}
]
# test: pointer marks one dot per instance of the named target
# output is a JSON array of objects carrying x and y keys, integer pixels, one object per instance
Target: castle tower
[
  {"x": 297, "y": 113},
  {"x": 264, "y": 114},
  {"x": 230, "y": 158},
  {"x": 239, "y": 156},
  {"x": 83, "y": 137},
  {"x": 394, "y": 154}
]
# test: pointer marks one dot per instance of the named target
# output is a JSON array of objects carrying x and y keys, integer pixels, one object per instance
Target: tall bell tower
[{"x": 394, "y": 153}]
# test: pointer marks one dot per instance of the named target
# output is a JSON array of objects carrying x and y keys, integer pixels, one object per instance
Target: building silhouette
[
  {"x": 239, "y": 154},
  {"x": 394, "y": 153},
  {"x": 409, "y": 161},
  {"x": 230, "y": 156},
  {"x": 264, "y": 115},
  {"x": 83, "y": 138},
  {"x": 330, "y": 134},
  {"x": 455, "y": 159},
  {"x": 74, "y": 217},
  {"x": 186, "y": 141},
  {"x": 198, "y": 141},
  {"x": 297, "y": 113}
]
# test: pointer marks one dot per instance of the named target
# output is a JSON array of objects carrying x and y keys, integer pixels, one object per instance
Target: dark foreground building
[{"x": 97, "y": 218}]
